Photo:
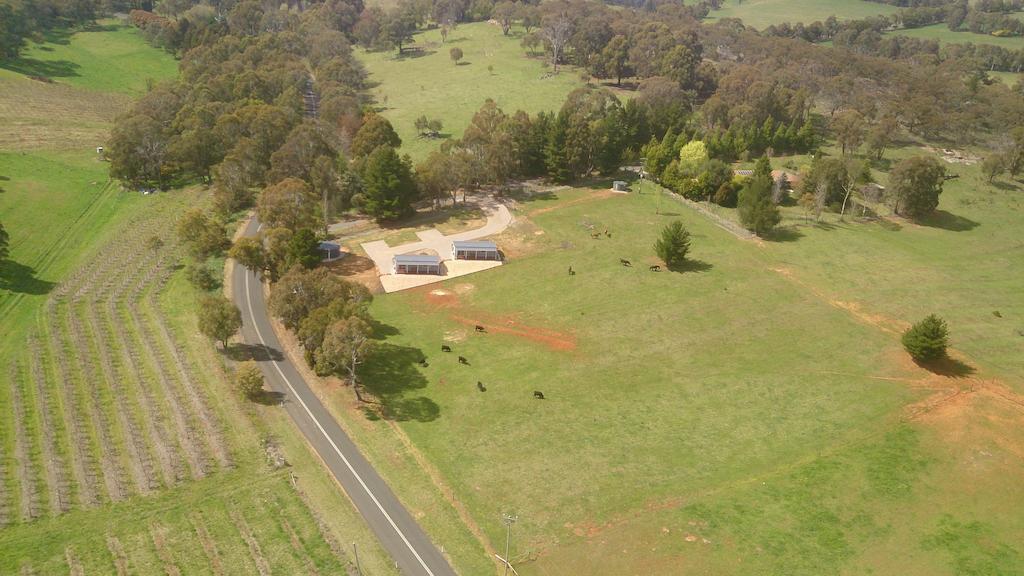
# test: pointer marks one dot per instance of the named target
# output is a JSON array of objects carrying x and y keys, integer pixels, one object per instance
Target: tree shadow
[
  {"x": 692, "y": 265},
  {"x": 242, "y": 352},
  {"x": 391, "y": 374},
  {"x": 949, "y": 367},
  {"x": 889, "y": 225},
  {"x": 1006, "y": 186},
  {"x": 268, "y": 398},
  {"x": 381, "y": 331},
  {"x": 787, "y": 234},
  {"x": 41, "y": 68},
  {"x": 413, "y": 53},
  {"x": 522, "y": 195},
  {"x": 21, "y": 279},
  {"x": 947, "y": 221}
]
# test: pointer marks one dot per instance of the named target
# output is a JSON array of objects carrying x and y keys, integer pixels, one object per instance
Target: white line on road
[{"x": 252, "y": 317}]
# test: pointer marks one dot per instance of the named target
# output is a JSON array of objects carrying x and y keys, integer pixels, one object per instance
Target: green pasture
[
  {"x": 106, "y": 58},
  {"x": 757, "y": 400},
  {"x": 425, "y": 81},
  {"x": 942, "y": 33},
  {"x": 763, "y": 13}
]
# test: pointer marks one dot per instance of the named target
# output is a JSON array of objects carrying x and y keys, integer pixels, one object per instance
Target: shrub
[
  {"x": 249, "y": 380},
  {"x": 927, "y": 340},
  {"x": 199, "y": 276}
]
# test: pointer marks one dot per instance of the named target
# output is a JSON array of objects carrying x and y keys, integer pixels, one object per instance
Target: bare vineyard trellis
[{"x": 106, "y": 403}]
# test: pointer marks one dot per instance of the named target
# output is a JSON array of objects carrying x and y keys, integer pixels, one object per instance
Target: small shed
[
  {"x": 415, "y": 264},
  {"x": 620, "y": 186},
  {"x": 330, "y": 251},
  {"x": 475, "y": 250}
]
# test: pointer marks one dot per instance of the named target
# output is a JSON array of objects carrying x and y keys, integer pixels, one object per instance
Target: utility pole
[{"x": 509, "y": 520}]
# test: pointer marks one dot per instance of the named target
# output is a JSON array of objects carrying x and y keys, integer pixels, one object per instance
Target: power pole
[{"x": 509, "y": 520}]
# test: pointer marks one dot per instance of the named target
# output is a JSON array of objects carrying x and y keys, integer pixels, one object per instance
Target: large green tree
[
  {"x": 203, "y": 235},
  {"x": 219, "y": 319},
  {"x": 376, "y": 131},
  {"x": 345, "y": 346},
  {"x": 673, "y": 245},
  {"x": 389, "y": 186},
  {"x": 290, "y": 204},
  {"x": 756, "y": 210},
  {"x": 915, "y": 185},
  {"x": 927, "y": 340}
]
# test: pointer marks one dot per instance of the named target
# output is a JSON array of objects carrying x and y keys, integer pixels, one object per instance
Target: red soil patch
[
  {"x": 599, "y": 195},
  {"x": 449, "y": 300},
  {"x": 550, "y": 338}
]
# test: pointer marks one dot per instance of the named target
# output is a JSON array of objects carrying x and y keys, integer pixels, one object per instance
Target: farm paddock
[{"x": 765, "y": 407}]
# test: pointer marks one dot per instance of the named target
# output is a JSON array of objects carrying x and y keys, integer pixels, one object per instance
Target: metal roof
[
  {"x": 416, "y": 259},
  {"x": 474, "y": 245}
]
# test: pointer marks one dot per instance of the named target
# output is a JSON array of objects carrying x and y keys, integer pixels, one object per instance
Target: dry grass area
[{"x": 36, "y": 115}]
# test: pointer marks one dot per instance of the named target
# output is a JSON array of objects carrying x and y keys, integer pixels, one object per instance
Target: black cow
[
  {"x": 571, "y": 271},
  {"x": 480, "y": 328},
  {"x": 625, "y": 262},
  {"x": 538, "y": 394},
  {"x": 423, "y": 362},
  {"x": 462, "y": 360},
  {"x": 655, "y": 268},
  {"x": 480, "y": 386},
  {"x": 446, "y": 348}
]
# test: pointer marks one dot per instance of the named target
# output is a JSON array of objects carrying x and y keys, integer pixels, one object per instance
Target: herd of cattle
[{"x": 462, "y": 360}]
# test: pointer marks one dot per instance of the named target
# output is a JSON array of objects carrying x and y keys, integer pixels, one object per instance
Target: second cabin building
[{"x": 475, "y": 250}]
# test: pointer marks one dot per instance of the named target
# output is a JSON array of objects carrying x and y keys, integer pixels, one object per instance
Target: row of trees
[{"x": 330, "y": 318}]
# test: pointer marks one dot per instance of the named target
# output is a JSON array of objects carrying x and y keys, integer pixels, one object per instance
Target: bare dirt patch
[
  {"x": 357, "y": 268},
  {"x": 449, "y": 300},
  {"x": 598, "y": 195}
]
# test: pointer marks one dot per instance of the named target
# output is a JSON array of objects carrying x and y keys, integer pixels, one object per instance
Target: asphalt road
[{"x": 399, "y": 534}]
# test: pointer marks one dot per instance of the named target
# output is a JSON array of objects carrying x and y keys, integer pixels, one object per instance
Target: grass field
[
  {"x": 942, "y": 33},
  {"x": 429, "y": 83},
  {"x": 125, "y": 449},
  {"x": 104, "y": 58},
  {"x": 763, "y": 13},
  {"x": 754, "y": 414}
]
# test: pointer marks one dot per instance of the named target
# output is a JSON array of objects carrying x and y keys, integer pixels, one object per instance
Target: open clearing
[
  {"x": 754, "y": 414},
  {"x": 942, "y": 33},
  {"x": 125, "y": 449},
  {"x": 763, "y": 13},
  {"x": 425, "y": 81}
]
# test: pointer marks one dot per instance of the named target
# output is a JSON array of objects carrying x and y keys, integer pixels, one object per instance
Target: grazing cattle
[
  {"x": 538, "y": 394},
  {"x": 625, "y": 262},
  {"x": 480, "y": 328},
  {"x": 480, "y": 386},
  {"x": 462, "y": 360},
  {"x": 595, "y": 235},
  {"x": 423, "y": 362},
  {"x": 655, "y": 268},
  {"x": 446, "y": 348},
  {"x": 607, "y": 233},
  {"x": 571, "y": 271}
]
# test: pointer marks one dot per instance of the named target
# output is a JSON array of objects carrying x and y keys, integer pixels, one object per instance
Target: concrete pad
[{"x": 453, "y": 269}]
